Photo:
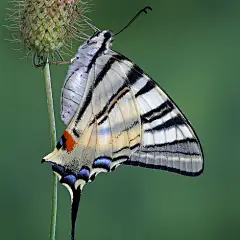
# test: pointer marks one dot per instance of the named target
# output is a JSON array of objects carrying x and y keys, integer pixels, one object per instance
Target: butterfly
[{"x": 116, "y": 114}]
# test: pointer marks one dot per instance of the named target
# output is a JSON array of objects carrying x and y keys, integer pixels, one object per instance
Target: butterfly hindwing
[{"x": 105, "y": 128}]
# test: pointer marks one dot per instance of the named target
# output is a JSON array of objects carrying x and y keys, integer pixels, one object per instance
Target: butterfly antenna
[
  {"x": 75, "y": 205},
  {"x": 144, "y": 10}
]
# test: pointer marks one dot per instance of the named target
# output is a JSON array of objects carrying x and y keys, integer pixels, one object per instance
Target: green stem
[{"x": 53, "y": 143}]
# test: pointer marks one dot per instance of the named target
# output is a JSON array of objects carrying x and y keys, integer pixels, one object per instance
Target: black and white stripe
[{"x": 97, "y": 81}]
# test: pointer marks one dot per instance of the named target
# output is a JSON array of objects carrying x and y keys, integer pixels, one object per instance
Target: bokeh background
[{"x": 192, "y": 48}]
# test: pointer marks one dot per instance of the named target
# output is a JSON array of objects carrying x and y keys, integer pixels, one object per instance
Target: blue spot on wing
[
  {"x": 58, "y": 169},
  {"x": 102, "y": 162},
  {"x": 69, "y": 179},
  {"x": 60, "y": 143},
  {"x": 104, "y": 131},
  {"x": 84, "y": 174}
]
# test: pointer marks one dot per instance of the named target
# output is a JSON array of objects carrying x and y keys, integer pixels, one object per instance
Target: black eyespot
[{"x": 107, "y": 35}]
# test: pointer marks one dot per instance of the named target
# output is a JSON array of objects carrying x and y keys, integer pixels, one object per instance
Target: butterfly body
[{"x": 120, "y": 115}]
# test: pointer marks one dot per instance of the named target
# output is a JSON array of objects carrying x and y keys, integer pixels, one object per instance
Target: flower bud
[{"x": 46, "y": 26}]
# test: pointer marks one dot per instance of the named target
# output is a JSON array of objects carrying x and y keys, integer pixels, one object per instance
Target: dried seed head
[{"x": 47, "y": 26}]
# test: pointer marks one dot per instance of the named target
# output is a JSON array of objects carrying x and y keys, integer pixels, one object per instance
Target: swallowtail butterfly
[{"x": 116, "y": 114}]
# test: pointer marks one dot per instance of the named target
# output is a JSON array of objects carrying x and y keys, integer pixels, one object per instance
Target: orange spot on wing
[{"x": 70, "y": 142}]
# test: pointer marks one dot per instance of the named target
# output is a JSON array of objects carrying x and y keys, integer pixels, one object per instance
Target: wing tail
[{"x": 75, "y": 206}]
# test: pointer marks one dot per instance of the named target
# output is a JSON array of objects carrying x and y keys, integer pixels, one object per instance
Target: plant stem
[{"x": 53, "y": 143}]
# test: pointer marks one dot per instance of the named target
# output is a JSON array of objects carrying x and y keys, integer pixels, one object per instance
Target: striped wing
[
  {"x": 125, "y": 117},
  {"x": 105, "y": 130},
  {"x": 168, "y": 141}
]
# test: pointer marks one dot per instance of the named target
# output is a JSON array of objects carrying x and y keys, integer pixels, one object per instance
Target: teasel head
[{"x": 48, "y": 27}]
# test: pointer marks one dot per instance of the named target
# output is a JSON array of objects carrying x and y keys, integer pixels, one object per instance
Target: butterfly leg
[{"x": 63, "y": 62}]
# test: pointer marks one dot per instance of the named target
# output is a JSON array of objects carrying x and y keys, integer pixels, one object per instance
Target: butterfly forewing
[{"x": 167, "y": 139}]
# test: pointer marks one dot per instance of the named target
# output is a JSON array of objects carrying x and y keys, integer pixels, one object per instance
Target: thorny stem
[{"x": 53, "y": 144}]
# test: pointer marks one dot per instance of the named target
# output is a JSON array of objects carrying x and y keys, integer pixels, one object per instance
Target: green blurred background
[{"x": 192, "y": 48}]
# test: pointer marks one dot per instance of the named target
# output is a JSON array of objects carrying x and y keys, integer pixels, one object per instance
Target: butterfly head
[{"x": 101, "y": 39}]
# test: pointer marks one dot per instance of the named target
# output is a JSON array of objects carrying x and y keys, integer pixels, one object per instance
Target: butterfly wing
[
  {"x": 126, "y": 117},
  {"x": 168, "y": 141},
  {"x": 105, "y": 129}
]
